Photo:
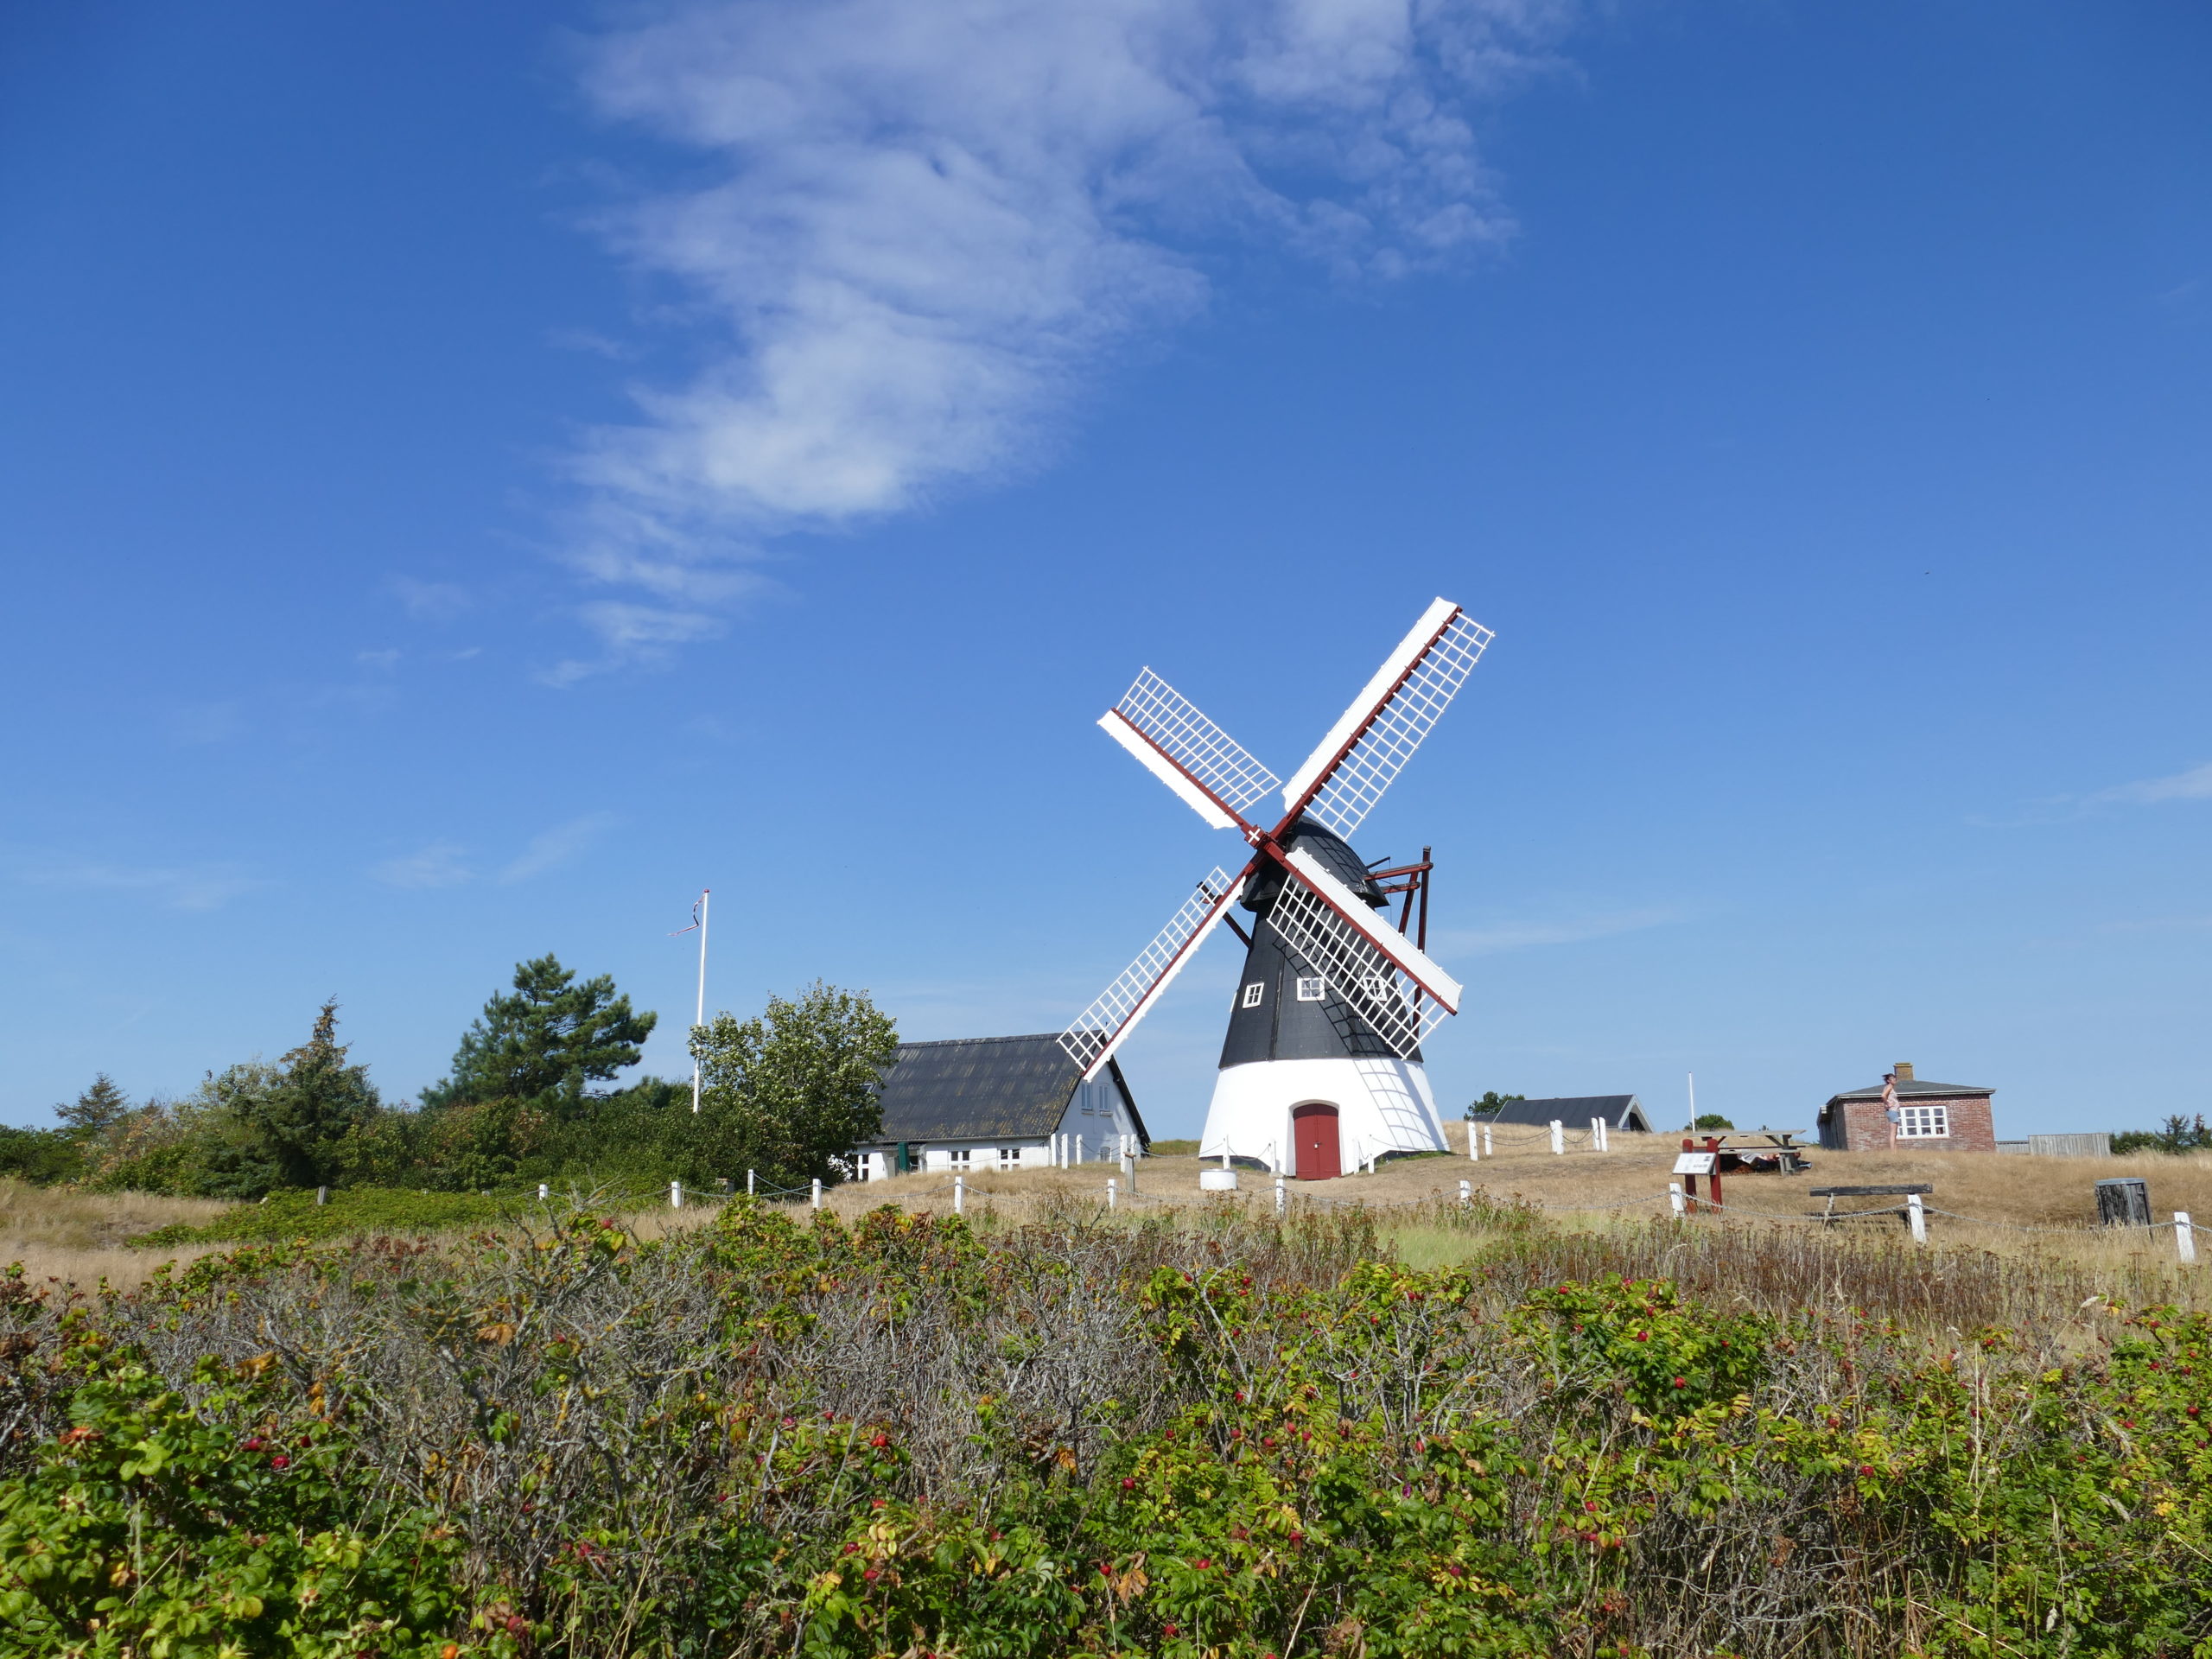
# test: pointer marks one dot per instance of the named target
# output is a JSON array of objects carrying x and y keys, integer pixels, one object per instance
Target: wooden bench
[{"x": 1832, "y": 1194}]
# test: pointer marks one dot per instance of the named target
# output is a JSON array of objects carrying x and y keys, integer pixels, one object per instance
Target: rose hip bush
[{"x": 909, "y": 1436}]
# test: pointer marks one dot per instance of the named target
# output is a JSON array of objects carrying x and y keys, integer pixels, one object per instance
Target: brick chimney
[{"x": 1903, "y": 1070}]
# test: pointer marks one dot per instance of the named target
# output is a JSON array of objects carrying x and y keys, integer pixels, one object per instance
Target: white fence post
[
  {"x": 1466, "y": 1193},
  {"x": 544, "y": 1193},
  {"x": 959, "y": 1195},
  {"x": 1488, "y": 1151},
  {"x": 1676, "y": 1201},
  {"x": 814, "y": 1198},
  {"x": 1474, "y": 1147},
  {"x": 2184, "y": 1236},
  {"x": 1559, "y": 1135},
  {"x": 1112, "y": 1190},
  {"x": 675, "y": 1195},
  {"x": 1282, "y": 1196},
  {"x": 1079, "y": 1148},
  {"x": 748, "y": 1183},
  {"x": 1917, "y": 1214}
]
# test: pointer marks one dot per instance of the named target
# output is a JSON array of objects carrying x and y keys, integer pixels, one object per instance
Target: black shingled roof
[
  {"x": 1573, "y": 1110},
  {"x": 978, "y": 1087},
  {"x": 1918, "y": 1089}
]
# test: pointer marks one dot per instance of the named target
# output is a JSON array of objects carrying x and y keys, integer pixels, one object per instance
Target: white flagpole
[{"x": 701, "y": 1017}]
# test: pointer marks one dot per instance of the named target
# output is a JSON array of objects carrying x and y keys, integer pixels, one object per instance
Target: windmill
[{"x": 1322, "y": 1062}]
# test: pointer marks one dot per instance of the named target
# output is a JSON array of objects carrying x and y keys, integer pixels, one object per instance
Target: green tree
[
  {"x": 1489, "y": 1103},
  {"x": 544, "y": 1041},
  {"x": 299, "y": 1121},
  {"x": 1712, "y": 1120},
  {"x": 787, "y": 1091},
  {"x": 99, "y": 1109}
]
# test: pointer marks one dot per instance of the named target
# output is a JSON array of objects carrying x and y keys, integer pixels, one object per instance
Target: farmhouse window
[
  {"x": 1010, "y": 1157},
  {"x": 1310, "y": 991},
  {"x": 1923, "y": 1122},
  {"x": 1252, "y": 994},
  {"x": 961, "y": 1158}
]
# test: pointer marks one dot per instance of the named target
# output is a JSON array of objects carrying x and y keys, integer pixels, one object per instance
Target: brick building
[{"x": 1931, "y": 1117}]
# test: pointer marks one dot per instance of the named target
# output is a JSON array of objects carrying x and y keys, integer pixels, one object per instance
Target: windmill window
[
  {"x": 1925, "y": 1123},
  {"x": 1252, "y": 993},
  {"x": 1376, "y": 986},
  {"x": 1312, "y": 989}
]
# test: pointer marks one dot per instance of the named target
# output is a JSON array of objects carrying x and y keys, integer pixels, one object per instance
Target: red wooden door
[{"x": 1313, "y": 1133}]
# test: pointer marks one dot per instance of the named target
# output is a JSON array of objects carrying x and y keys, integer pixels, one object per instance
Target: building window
[
  {"x": 960, "y": 1157},
  {"x": 1923, "y": 1122},
  {"x": 1252, "y": 994},
  {"x": 1310, "y": 991},
  {"x": 1010, "y": 1157},
  {"x": 1376, "y": 987}
]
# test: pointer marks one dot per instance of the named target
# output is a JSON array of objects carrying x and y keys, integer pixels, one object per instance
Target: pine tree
[
  {"x": 98, "y": 1110},
  {"x": 302, "y": 1118},
  {"x": 544, "y": 1041}
]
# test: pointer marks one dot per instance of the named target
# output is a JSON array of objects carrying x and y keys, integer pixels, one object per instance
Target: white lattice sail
[
  {"x": 1099, "y": 1029},
  {"x": 1346, "y": 775},
  {"x": 1204, "y": 754},
  {"x": 1357, "y": 970}
]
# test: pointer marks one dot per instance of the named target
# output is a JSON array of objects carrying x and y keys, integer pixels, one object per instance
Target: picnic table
[{"x": 1762, "y": 1149}]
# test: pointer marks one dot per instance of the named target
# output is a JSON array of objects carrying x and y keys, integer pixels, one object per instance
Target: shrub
[{"x": 905, "y": 1435}]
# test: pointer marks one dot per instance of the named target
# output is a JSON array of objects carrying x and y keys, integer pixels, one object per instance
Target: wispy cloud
[
  {"x": 1527, "y": 934},
  {"x": 2194, "y": 785},
  {"x": 430, "y": 601},
  {"x": 563, "y": 844},
  {"x": 187, "y": 886},
  {"x": 439, "y": 864},
  {"x": 928, "y": 222}
]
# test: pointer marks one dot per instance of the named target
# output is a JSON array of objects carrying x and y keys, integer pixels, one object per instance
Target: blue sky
[{"x": 472, "y": 476}]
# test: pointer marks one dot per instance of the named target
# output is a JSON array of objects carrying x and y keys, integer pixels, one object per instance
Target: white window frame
[
  {"x": 1253, "y": 993},
  {"x": 960, "y": 1158},
  {"x": 1010, "y": 1157},
  {"x": 1926, "y": 1122},
  {"x": 1311, "y": 988}
]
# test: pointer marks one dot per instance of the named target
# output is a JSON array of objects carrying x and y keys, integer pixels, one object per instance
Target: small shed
[
  {"x": 1930, "y": 1116},
  {"x": 976, "y": 1103},
  {"x": 1575, "y": 1111}
]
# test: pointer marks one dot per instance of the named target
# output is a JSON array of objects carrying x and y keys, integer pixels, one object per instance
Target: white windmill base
[{"x": 1383, "y": 1106}]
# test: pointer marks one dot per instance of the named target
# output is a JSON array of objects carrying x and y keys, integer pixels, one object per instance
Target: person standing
[{"x": 1889, "y": 1106}]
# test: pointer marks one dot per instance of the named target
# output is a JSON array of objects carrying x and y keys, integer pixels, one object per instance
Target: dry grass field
[
  {"x": 78, "y": 1237},
  {"x": 2043, "y": 1208}
]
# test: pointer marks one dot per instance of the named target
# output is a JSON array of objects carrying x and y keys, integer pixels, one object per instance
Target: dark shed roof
[
  {"x": 1622, "y": 1112},
  {"x": 975, "y": 1088}
]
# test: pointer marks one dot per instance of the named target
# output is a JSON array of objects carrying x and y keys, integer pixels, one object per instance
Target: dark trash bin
[{"x": 2125, "y": 1203}]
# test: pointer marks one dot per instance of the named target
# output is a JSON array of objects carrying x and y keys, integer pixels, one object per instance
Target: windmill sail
[
  {"x": 1355, "y": 971},
  {"x": 1100, "y": 1029},
  {"x": 1346, "y": 774},
  {"x": 1207, "y": 768}
]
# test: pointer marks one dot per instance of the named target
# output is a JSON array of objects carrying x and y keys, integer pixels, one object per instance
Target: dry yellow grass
[{"x": 78, "y": 1237}]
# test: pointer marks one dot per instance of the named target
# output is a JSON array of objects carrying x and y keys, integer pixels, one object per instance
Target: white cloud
[
  {"x": 193, "y": 886},
  {"x": 1523, "y": 934},
  {"x": 437, "y": 865},
  {"x": 927, "y": 222},
  {"x": 2195, "y": 785},
  {"x": 430, "y": 602},
  {"x": 562, "y": 844}
]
